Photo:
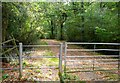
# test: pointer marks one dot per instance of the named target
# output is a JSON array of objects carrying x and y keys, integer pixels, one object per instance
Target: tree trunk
[
  {"x": 61, "y": 36},
  {"x": 118, "y": 7},
  {"x": 82, "y": 18},
  {"x": 52, "y": 29},
  {"x": 4, "y": 22},
  {"x": 101, "y": 5}
]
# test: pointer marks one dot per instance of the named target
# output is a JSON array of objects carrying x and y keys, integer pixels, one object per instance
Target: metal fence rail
[
  {"x": 36, "y": 46},
  {"x": 84, "y": 43},
  {"x": 91, "y": 63},
  {"x": 21, "y": 57},
  {"x": 79, "y": 62}
]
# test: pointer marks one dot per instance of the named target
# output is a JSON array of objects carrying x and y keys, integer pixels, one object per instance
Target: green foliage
[
  {"x": 54, "y": 59},
  {"x": 26, "y": 63},
  {"x": 41, "y": 42},
  {"x": 14, "y": 63},
  {"x": 23, "y": 16},
  {"x": 37, "y": 71},
  {"x": 72, "y": 21},
  {"x": 5, "y": 76},
  {"x": 52, "y": 62},
  {"x": 48, "y": 53},
  {"x": 68, "y": 77}
]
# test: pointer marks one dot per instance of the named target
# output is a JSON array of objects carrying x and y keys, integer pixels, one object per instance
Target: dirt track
[{"x": 95, "y": 64}]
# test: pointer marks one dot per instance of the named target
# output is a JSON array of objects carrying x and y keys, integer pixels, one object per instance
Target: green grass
[
  {"x": 41, "y": 42},
  {"x": 48, "y": 53},
  {"x": 39, "y": 63},
  {"x": 51, "y": 61},
  {"x": 111, "y": 76},
  {"x": 69, "y": 77},
  {"x": 26, "y": 63},
  {"x": 54, "y": 59},
  {"x": 5, "y": 76},
  {"x": 37, "y": 71}
]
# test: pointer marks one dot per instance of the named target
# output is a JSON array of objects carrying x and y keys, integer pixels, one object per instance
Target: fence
[
  {"x": 22, "y": 55},
  {"x": 14, "y": 47},
  {"x": 25, "y": 46},
  {"x": 81, "y": 57},
  {"x": 78, "y": 58},
  {"x": 8, "y": 50}
]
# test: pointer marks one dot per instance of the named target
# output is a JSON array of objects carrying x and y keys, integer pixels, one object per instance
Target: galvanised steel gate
[
  {"x": 25, "y": 52},
  {"x": 57, "y": 55},
  {"x": 92, "y": 61}
]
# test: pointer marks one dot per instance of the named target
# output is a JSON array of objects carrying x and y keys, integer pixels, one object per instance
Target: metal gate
[
  {"x": 38, "y": 52},
  {"x": 92, "y": 61},
  {"x": 41, "y": 48},
  {"x": 89, "y": 61}
]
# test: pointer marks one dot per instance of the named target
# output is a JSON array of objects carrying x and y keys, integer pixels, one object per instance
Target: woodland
[
  {"x": 70, "y": 21},
  {"x": 52, "y": 23}
]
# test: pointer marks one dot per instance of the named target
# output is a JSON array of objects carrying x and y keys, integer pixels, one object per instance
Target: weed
[
  {"x": 37, "y": 71},
  {"x": 48, "y": 53},
  {"x": 42, "y": 43},
  {"x": 66, "y": 76},
  {"x": 5, "y": 76},
  {"x": 52, "y": 62},
  {"x": 14, "y": 63},
  {"x": 25, "y": 63}
]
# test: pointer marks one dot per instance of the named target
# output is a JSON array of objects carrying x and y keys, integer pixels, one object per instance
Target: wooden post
[{"x": 20, "y": 60}]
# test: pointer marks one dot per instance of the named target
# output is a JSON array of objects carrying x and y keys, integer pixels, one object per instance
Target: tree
[{"x": 90, "y": 21}]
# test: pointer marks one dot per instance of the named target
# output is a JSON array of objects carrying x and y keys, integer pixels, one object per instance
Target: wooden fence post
[{"x": 20, "y": 60}]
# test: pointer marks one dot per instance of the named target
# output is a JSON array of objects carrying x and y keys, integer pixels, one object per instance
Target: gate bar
[{"x": 93, "y": 43}]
